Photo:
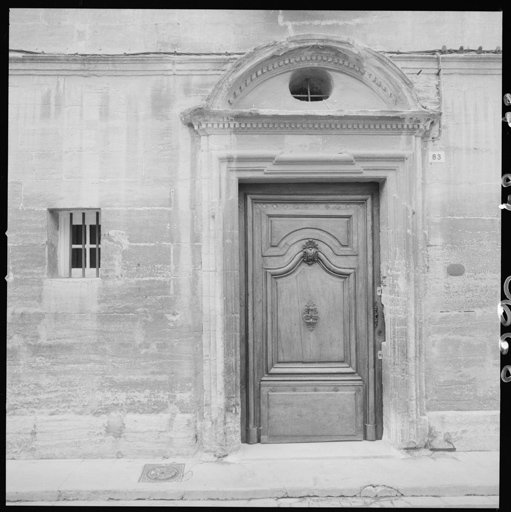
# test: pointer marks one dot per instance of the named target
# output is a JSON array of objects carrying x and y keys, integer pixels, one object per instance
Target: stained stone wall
[
  {"x": 97, "y": 31},
  {"x": 104, "y": 367},
  {"x": 114, "y": 367},
  {"x": 462, "y": 198}
]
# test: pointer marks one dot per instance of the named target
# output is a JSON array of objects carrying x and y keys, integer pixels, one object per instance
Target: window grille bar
[
  {"x": 97, "y": 244},
  {"x": 308, "y": 90},
  {"x": 310, "y": 96},
  {"x": 83, "y": 244},
  {"x": 70, "y": 244}
]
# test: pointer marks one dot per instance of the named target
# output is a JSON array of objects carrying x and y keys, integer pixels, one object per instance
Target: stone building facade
[{"x": 166, "y": 134}]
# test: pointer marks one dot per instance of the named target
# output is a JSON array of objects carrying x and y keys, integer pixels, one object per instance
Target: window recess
[
  {"x": 310, "y": 84},
  {"x": 79, "y": 243}
]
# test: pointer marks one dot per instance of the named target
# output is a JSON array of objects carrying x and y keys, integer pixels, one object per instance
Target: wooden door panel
[
  {"x": 309, "y": 267},
  {"x": 284, "y": 223},
  {"x": 286, "y": 228},
  {"x": 311, "y": 412},
  {"x": 309, "y": 326},
  {"x": 310, "y": 317}
]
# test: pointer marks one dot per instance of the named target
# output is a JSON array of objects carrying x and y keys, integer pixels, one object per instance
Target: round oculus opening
[{"x": 310, "y": 84}]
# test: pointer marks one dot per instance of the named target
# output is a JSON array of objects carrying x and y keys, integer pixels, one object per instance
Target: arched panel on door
[{"x": 331, "y": 223}]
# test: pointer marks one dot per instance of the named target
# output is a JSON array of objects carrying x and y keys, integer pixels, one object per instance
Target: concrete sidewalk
[
  {"x": 336, "y": 502},
  {"x": 271, "y": 472}
]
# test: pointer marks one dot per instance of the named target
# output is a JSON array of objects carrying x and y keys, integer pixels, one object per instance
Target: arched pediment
[
  {"x": 368, "y": 91},
  {"x": 363, "y": 79}
]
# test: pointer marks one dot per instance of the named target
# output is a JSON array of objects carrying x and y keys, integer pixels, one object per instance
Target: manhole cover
[{"x": 162, "y": 473}]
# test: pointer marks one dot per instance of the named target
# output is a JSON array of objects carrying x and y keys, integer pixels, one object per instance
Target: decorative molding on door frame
[
  {"x": 223, "y": 129},
  {"x": 402, "y": 245}
]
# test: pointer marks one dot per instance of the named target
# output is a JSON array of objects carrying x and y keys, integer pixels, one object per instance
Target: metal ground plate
[{"x": 162, "y": 473}]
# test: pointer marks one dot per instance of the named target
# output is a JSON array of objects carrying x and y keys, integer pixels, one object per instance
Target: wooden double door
[{"x": 310, "y": 313}]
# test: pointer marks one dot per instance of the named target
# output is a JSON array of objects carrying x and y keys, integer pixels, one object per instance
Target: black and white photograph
[{"x": 254, "y": 258}]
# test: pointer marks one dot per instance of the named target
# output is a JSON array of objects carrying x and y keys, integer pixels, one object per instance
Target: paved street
[{"x": 295, "y": 475}]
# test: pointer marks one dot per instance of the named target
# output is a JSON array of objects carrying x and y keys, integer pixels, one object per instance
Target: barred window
[{"x": 79, "y": 243}]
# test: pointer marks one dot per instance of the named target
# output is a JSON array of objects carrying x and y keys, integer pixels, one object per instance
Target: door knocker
[{"x": 310, "y": 315}]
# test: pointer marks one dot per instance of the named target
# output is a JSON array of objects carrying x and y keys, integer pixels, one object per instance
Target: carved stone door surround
[{"x": 242, "y": 146}]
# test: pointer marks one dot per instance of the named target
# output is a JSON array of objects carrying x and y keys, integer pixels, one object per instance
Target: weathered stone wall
[
  {"x": 203, "y": 31},
  {"x": 113, "y": 367},
  {"x": 462, "y": 198},
  {"x": 109, "y": 366}
]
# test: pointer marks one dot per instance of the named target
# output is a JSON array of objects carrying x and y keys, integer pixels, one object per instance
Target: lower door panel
[{"x": 311, "y": 412}]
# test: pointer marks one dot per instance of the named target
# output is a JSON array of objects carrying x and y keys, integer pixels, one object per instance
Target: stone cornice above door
[
  {"x": 367, "y": 92},
  {"x": 209, "y": 121}
]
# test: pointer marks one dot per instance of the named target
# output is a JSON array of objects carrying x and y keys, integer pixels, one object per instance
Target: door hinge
[
  {"x": 378, "y": 291},
  {"x": 380, "y": 354}
]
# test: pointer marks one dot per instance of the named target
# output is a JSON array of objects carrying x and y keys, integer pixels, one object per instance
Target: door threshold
[{"x": 332, "y": 450}]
